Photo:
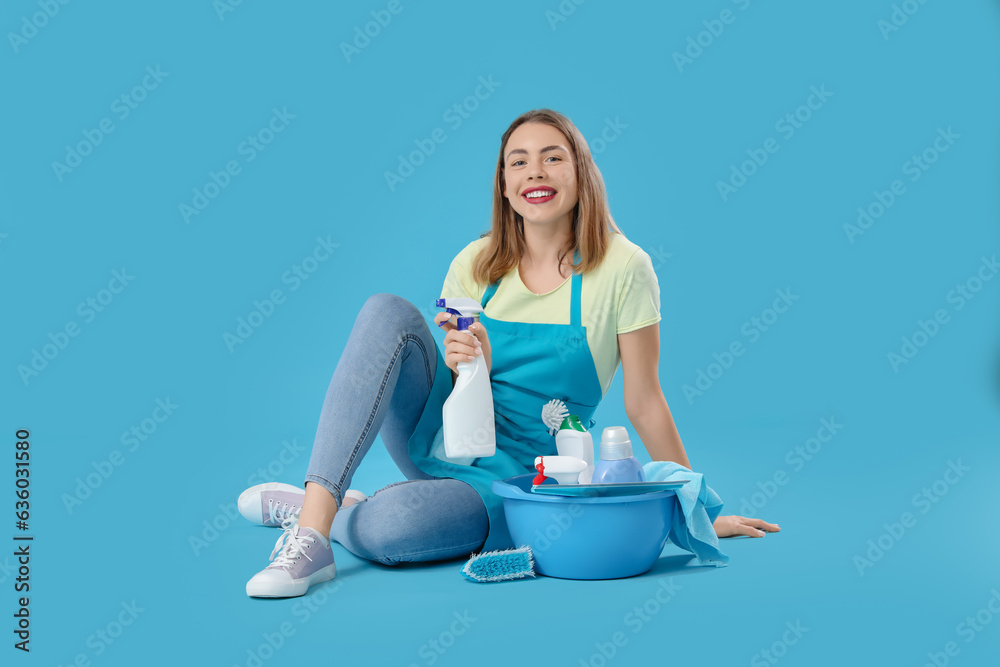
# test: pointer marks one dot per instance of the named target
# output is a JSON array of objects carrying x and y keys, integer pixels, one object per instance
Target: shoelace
[
  {"x": 281, "y": 511},
  {"x": 292, "y": 547}
]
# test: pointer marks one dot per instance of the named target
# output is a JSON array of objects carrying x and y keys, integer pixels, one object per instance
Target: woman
[{"x": 553, "y": 255}]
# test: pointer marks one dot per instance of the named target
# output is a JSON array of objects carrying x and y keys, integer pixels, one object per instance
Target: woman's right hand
[{"x": 460, "y": 347}]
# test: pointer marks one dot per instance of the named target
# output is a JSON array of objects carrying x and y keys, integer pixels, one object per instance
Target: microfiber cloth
[{"x": 698, "y": 507}]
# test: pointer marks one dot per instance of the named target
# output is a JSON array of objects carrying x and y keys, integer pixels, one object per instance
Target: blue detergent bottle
[{"x": 617, "y": 465}]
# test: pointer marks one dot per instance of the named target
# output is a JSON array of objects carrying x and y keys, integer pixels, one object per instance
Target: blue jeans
[{"x": 380, "y": 386}]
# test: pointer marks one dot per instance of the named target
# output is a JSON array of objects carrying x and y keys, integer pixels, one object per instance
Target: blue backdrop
[{"x": 197, "y": 198}]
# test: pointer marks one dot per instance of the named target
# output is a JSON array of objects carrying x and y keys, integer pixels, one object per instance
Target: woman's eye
[{"x": 551, "y": 157}]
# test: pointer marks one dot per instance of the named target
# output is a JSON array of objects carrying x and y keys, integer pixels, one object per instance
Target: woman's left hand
[{"x": 727, "y": 526}]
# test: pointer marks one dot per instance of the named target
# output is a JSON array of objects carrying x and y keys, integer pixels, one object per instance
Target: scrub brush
[
  {"x": 500, "y": 565},
  {"x": 553, "y": 414}
]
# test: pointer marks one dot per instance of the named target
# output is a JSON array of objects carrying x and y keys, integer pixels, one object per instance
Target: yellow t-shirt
[{"x": 620, "y": 295}]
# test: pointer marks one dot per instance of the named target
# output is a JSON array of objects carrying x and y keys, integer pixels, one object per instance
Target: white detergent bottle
[
  {"x": 573, "y": 439},
  {"x": 469, "y": 422}
]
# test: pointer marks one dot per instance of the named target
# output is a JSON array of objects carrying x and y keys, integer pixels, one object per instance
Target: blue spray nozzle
[{"x": 465, "y": 309}]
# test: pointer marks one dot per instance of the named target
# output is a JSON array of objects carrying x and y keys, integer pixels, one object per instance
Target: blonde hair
[{"x": 592, "y": 224}]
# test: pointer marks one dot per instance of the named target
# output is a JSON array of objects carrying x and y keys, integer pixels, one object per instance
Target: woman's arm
[
  {"x": 645, "y": 404},
  {"x": 647, "y": 410}
]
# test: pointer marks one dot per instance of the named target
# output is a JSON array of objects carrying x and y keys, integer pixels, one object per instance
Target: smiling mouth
[{"x": 539, "y": 196}]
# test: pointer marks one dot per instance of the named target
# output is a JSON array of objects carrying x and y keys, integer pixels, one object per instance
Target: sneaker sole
[
  {"x": 249, "y": 503},
  {"x": 293, "y": 588}
]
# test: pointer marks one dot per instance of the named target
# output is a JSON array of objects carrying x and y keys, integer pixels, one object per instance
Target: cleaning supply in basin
[
  {"x": 574, "y": 440},
  {"x": 540, "y": 467},
  {"x": 553, "y": 414},
  {"x": 695, "y": 513},
  {"x": 500, "y": 565},
  {"x": 617, "y": 465},
  {"x": 564, "y": 469},
  {"x": 469, "y": 426}
]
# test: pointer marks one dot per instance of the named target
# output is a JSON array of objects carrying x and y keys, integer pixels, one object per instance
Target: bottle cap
[
  {"x": 615, "y": 444},
  {"x": 572, "y": 423}
]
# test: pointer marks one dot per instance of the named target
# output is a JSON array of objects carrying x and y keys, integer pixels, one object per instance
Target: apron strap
[
  {"x": 574, "y": 299},
  {"x": 490, "y": 291}
]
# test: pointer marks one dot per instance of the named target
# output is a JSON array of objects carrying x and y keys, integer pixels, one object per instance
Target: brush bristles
[{"x": 502, "y": 565}]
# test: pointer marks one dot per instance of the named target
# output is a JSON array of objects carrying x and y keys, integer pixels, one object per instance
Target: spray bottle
[{"x": 468, "y": 418}]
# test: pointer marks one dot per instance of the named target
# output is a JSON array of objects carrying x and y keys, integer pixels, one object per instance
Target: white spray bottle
[{"x": 469, "y": 421}]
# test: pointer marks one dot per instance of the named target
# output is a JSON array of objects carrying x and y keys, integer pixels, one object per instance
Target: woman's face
[{"x": 537, "y": 160}]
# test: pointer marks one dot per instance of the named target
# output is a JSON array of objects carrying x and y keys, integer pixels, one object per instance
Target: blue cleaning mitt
[
  {"x": 500, "y": 565},
  {"x": 699, "y": 506}
]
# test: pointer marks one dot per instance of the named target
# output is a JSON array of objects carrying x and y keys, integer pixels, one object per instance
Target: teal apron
[{"x": 531, "y": 365}]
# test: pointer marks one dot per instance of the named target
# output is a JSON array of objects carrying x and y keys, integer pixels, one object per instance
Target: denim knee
[{"x": 391, "y": 312}]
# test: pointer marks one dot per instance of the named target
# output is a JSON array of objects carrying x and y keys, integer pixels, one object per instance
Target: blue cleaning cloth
[{"x": 698, "y": 507}]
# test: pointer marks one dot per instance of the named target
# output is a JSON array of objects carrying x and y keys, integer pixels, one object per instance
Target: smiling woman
[{"x": 566, "y": 299}]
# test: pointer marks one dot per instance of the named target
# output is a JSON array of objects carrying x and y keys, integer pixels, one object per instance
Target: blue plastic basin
[{"x": 588, "y": 537}]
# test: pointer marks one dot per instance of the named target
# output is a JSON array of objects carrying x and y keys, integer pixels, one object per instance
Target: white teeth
[{"x": 539, "y": 193}]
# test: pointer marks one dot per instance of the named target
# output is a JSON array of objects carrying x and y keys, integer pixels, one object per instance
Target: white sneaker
[
  {"x": 304, "y": 559},
  {"x": 269, "y": 504}
]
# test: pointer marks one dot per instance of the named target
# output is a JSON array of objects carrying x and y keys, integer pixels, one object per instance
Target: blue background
[{"x": 718, "y": 260}]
